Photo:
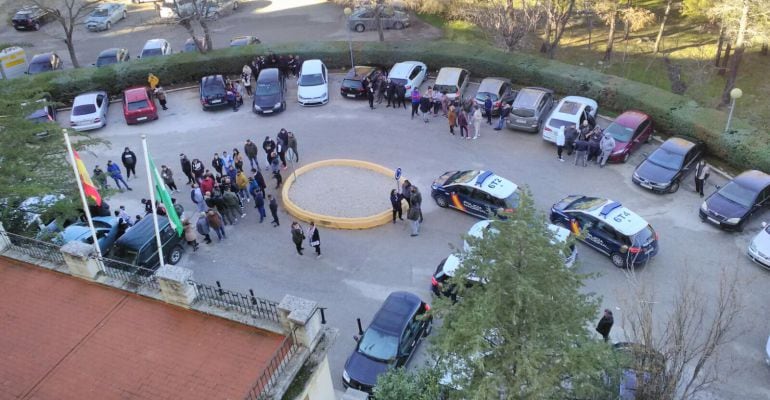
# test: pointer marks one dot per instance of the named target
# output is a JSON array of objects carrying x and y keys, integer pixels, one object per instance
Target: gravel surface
[{"x": 348, "y": 192}]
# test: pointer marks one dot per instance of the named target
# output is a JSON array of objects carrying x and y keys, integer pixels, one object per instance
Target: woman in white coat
[
  {"x": 560, "y": 142},
  {"x": 477, "y": 118}
]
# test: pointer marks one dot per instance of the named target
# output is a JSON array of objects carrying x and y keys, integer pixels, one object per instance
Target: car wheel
[
  {"x": 625, "y": 157},
  {"x": 674, "y": 187},
  {"x": 398, "y": 25},
  {"x": 175, "y": 255},
  {"x": 125, "y": 15},
  {"x": 618, "y": 260},
  {"x": 37, "y": 26},
  {"x": 359, "y": 28},
  {"x": 109, "y": 25},
  {"x": 442, "y": 201}
]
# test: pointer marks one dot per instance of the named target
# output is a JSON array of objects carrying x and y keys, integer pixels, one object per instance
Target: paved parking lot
[{"x": 352, "y": 283}]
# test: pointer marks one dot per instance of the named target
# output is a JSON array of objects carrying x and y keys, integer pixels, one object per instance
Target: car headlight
[
  {"x": 636, "y": 176},
  {"x": 345, "y": 376},
  {"x": 258, "y": 108},
  {"x": 277, "y": 105},
  {"x": 732, "y": 221},
  {"x": 704, "y": 207},
  {"x": 753, "y": 247},
  {"x": 621, "y": 151}
]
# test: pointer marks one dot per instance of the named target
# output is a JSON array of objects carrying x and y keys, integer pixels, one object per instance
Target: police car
[
  {"x": 608, "y": 227},
  {"x": 476, "y": 192}
]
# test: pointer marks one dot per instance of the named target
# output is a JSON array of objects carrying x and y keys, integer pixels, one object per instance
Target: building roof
[{"x": 66, "y": 338}]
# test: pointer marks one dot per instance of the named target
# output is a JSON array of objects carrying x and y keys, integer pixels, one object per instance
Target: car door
[
  {"x": 586, "y": 225},
  {"x": 641, "y": 133},
  {"x": 485, "y": 203},
  {"x": 459, "y": 196},
  {"x": 325, "y": 74},
  {"x": 417, "y": 75},
  {"x": 690, "y": 159},
  {"x": 605, "y": 238}
]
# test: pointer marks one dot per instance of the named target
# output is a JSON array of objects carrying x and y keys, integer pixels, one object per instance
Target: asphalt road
[{"x": 353, "y": 283}]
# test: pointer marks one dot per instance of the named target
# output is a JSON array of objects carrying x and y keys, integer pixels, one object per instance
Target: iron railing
[
  {"x": 245, "y": 303},
  {"x": 33, "y": 248},
  {"x": 276, "y": 366},
  {"x": 129, "y": 273}
]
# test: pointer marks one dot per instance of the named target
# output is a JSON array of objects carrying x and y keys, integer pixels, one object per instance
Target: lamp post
[
  {"x": 347, "y": 12},
  {"x": 735, "y": 94}
]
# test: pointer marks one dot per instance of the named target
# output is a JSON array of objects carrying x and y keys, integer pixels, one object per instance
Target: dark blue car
[
  {"x": 664, "y": 169},
  {"x": 731, "y": 205},
  {"x": 608, "y": 227},
  {"x": 389, "y": 341}
]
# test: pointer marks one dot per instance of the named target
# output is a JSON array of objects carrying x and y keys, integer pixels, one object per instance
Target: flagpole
[
  {"x": 82, "y": 194},
  {"x": 152, "y": 200}
]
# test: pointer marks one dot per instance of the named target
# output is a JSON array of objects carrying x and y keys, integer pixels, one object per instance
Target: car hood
[
  {"x": 363, "y": 369},
  {"x": 654, "y": 173},
  {"x": 312, "y": 91},
  {"x": 267, "y": 100},
  {"x": 724, "y": 207},
  {"x": 619, "y": 146},
  {"x": 762, "y": 241},
  {"x": 96, "y": 19}
]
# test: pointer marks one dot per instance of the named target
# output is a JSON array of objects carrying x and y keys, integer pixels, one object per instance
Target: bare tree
[
  {"x": 557, "y": 13},
  {"x": 634, "y": 19},
  {"x": 69, "y": 14},
  {"x": 608, "y": 11},
  {"x": 658, "y": 38},
  {"x": 501, "y": 18},
  {"x": 190, "y": 12},
  {"x": 378, "y": 8}
]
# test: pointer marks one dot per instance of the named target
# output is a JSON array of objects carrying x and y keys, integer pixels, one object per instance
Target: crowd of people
[{"x": 588, "y": 143}]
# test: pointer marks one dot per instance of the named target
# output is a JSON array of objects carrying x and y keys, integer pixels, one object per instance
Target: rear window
[
  {"x": 138, "y": 105},
  {"x": 643, "y": 237},
  {"x": 512, "y": 201},
  {"x": 106, "y": 61},
  {"x": 558, "y": 123},
  {"x": 151, "y": 52},
  {"x": 266, "y": 89},
  {"x": 213, "y": 87},
  {"x": 352, "y": 83},
  {"x": 22, "y": 15},
  {"x": 446, "y": 88},
  {"x": 84, "y": 109},
  {"x": 523, "y": 112}
]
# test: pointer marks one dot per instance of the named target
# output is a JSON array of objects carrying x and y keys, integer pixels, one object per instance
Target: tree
[
  {"x": 557, "y": 13},
  {"x": 658, "y": 38},
  {"x": 608, "y": 11},
  {"x": 399, "y": 384},
  {"x": 523, "y": 332},
  {"x": 634, "y": 19},
  {"x": 69, "y": 14},
  {"x": 500, "y": 19},
  {"x": 189, "y": 12}
]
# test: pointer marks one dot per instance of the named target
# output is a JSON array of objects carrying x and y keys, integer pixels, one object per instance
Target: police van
[
  {"x": 476, "y": 192},
  {"x": 608, "y": 227}
]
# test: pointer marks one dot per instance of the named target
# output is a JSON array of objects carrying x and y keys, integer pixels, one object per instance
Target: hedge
[{"x": 747, "y": 147}]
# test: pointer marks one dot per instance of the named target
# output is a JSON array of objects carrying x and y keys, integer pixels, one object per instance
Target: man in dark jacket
[
  {"x": 251, "y": 150},
  {"x": 390, "y": 93},
  {"x": 605, "y": 324},
  {"x": 505, "y": 111},
  {"x": 273, "y": 210},
  {"x": 268, "y": 145},
  {"x": 400, "y": 96},
  {"x": 186, "y": 168},
  {"x": 129, "y": 162},
  {"x": 581, "y": 152},
  {"x": 197, "y": 169},
  {"x": 488, "y": 109},
  {"x": 570, "y": 135},
  {"x": 259, "y": 179},
  {"x": 217, "y": 163}
]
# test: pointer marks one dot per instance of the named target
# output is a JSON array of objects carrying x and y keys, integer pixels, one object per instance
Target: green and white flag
[{"x": 161, "y": 193}]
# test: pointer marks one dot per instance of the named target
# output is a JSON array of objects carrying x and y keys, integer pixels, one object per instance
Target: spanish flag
[{"x": 88, "y": 186}]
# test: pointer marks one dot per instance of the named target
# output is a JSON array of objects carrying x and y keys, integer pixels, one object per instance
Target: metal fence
[
  {"x": 260, "y": 390},
  {"x": 33, "y": 248},
  {"x": 245, "y": 303},
  {"x": 129, "y": 273}
]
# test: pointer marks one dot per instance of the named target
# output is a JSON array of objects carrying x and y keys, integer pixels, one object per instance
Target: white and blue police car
[
  {"x": 608, "y": 227},
  {"x": 476, "y": 192}
]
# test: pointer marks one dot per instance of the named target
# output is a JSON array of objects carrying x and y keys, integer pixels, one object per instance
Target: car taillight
[
  {"x": 427, "y": 307},
  {"x": 547, "y": 129},
  {"x": 408, "y": 87},
  {"x": 97, "y": 120},
  {"x": 433, "y": 281},
  {"x": 634, "y": 250}
]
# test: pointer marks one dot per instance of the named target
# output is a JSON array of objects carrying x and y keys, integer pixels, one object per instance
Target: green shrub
[{"x": 673, "y": 114}]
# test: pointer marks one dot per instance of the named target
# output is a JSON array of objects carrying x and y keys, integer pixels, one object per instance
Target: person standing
[
  {"x": 281, "y": 145},
  {"x": 189, "y": 234},
  {"x": 259, "y": 204},
  {"x": 293, "y": 146},
  {"x": 217, "y": 163},
  {"x": 560, "y": 142},
  {"x": 607, "y": 145},
  {"x": 115, "y": 174},
  {"x": 570, "y": 136},
  {"x": 415, "y": 101},
  {"x": 242, "y": 182},
  {"x": 251, "y": 150},
  {"x": 100, "y": 178},
  {"x": 196, "y": 195},
  {"x": 436, "y": 99},
  {"x": 160, "y": 94},
  {"x": 702, "y": 172},
  {"x": 390, "y": 93},
  {"x": 415, "y": 213},
  {"x": 315, "y": 239},
  {"x": 197, "y": 169},
  {"x": 186, "y": 168},
  {"x": 259, "y": 179},
  {"x": 401, "y": 95},
  {"x": 488, "y": 109},
  {"x": 381, "y": 88},
  {"x": 297, "y": 236},
  {"x": 452, "y": 117},
  {"x": 581, "y": 152},
  {"x": 395, "y": 202},
  {"x": 425, "y": 106},
  {"x": 214, "y": 219},
  {"x": 462, "y": 121},
  {"x": 246, "y": 78},
  {"x": 369, "y": 88},
  {"x": 268, "y": 145},
  {"x": 276, "y": 166},
  {"x": 605, "y": 324},
  {"x": 273, "y": 210},
  {"x": 227, "y": 161},
  {"x": 168, "y": 178},
  {"x": 477, "y": 118},
  {"x": 505, "y": 111},
  {"x": 232, "y": 206},
  {"x": 129, "y": 162},
  {"x": 202, "y": 226}
]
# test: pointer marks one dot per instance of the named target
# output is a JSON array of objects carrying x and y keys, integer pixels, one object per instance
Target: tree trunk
[
  {"x": 764, "y": 50},
  {"x": 610, "y": 38},
  {"x": 378, "y": 20},
  {"x": 720, "y": 42},
  {"x": 735, "y": 63},
  {"x": 725, "y": 59},
  {"x": 662, "y": 27},
  {"x": 206, "y": 33},
  {"x": 71, "y": 46},
  {"x": 560, "y": 25},
  {"x": 590, "y": 27},
  {"x": 547, "y": 34}
]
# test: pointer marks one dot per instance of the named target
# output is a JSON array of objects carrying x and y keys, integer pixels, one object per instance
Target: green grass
[{"x": 456, "y": 31}]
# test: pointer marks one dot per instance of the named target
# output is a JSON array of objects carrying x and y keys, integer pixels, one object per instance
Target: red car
[
  {"x": 139, "y": 105},
  {"x": 630, "y": 130}
]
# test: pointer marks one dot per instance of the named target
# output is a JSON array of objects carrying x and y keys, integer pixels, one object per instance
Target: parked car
[
  {"x": 139, "y": 105},
  {"x": 499, "y": 91},
  {"x": 269, "y": 92},
  {"x": 106, "y": 233},
  {"x": 191, "y": 47},
  {"x": 105, "y": 15},
  {"x": 571, "y": 110},
  {"x": 212, "y": 92},
  {"x": 43, "y": 63},
  {"x": 214, "y": 9},
  {"x": 452, "y": 81},
  {"x": 112, "y": 56},
  {"x": 639, "y": 365},
  {"x": 759, "y": 248},
  {"x": 476, "y": 192},
  {"x": 313, "y": 84},
  {"x": 530, "y": 109},
  {"x": 89, "y": 111},
  {"x": 239, "y": 41},
  {"x": 389, "y": 342},
  {"x": 362, "y": 19},
  {"x": 30, "y": 18},
  {"x": 44, "y": 114},
  {"x": 408, "y": 73},
  {"x": 156, "y": 47},
  {"x": 732, "y": 204},
  {"x": 630, "y": 130},
  {"x": 352, "y": 85},
  {"x": 137, "y": 252},
  {"x": 664, "y": 169}
]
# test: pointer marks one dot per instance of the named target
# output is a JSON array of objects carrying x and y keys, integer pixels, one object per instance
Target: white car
[
  {"x": 570, "y": 110},
  {"x": 560, "y": 234},
  {"x": 313, "y": 84},
  {"x": 89, "y": 111},
  {"x": 156, "y": 47},
  {"x": 408, "y": 73},
  {"x": 759, "y": 249}
]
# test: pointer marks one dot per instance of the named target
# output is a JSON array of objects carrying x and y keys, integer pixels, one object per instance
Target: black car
[
  {"x": 43, "y": 63},
  {"x": 212, "y": 92},
  {"x": 269, "y": 92},
  {"x": 663, "y": 170},
  {"x": 31, "y": 17},
  {"x": 439, "y": 282},
  {"x": 732, "y": 204},
  {"x": 389, "y": 341},
  {"x": 112, "y": 56},
  {"x": 46, "y": 113},
  {"x": 137, "y": 250},
  {"x": 352, "y": 85}
]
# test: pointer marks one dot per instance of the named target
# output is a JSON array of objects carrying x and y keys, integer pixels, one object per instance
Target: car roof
[
  {"x": 402, "y": 69},
  {"x": 631, "y": 118},
  {"x": 448, "y": 76},
  {"x": 80, "y": 230},
  {"x": 396, "y": 312},
  {"x": 206, "y": 79},
  {"x": 677, "y": 145},
  {"x": 608, "y": 211},
  {"x": 270, "y": 74},
  {"x": 491, "y": 85},
  {"x": 359, "y": 71},
  {"x": 477, "y": 230},
  {"x": 87, "y": 98},
  {"x": 312, "y": 66},
  {"x": 136, "y": 93},
  {"x": 501, "y": 190},
  {"x": 109, "y": 52},
  {"x": 753, "y": 179},
  {"x": 141, "y": 232},
  {"x": 41, "y": 57},
  {"x": 154, "y": 43},
  {"x": 529, "y": 96}
]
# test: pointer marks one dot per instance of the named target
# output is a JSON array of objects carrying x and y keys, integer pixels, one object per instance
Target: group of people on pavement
[{"x": 588, "y": 143}]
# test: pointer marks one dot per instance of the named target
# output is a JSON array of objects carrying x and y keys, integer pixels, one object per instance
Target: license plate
[
  {"x": 351, "y": 95},
  {"x": 267, "y": 111},
  {"x": 645, "y": 185},
  {"x": 141, "y": 119},
  {"x": 713, "y": 220},
  {"x": 521, "y": 121},
  {"x": 216, "y": 101}
]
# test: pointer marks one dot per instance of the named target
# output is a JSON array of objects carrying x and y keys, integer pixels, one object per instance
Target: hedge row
[{"x": 673, "y": 114}]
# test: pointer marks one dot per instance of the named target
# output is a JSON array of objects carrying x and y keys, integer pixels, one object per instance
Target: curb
[{"x": 327, "y": 220}]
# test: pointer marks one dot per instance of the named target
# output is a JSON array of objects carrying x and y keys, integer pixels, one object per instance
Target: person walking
[
  {"x": 246, "y": 78},
  {"x": 702, "y": 172},
  {"x": 477, "y": 118},
  {"x": 251, "y": 150},
  {"x": 560, "y": 142},
  {"x": 607, "y": 145},
  {"x": 202, "y": 226},
  {"x": 186, "y": 168},
  {"x": 293, "y": 146},
  {"x": 314, "y": 239},
  {"x": 395, "y": 202},
  {"x": 425, "y": 106},
  {"x": 452, "y": 117},
  {"x": 168, "y": 178},
  {"x": 189, "y": 234},
  {"x": 259, "y": 204},
  {"x": 268, "y": 145},
  {"x": 214, "y": 219},
  {"x": 114, "y": 171},
  {"x": 297, "y": 236},
  {"x": 217, "y": 163},
  {"x": 415, "y": 213},
  {"x": 415, "y": 101},
  {"x": 605, "y": 324},
  {"x": 227, "y": 161},
  {"x": 196, "y": 195},
  {"x": 129, "y": 162},
  {"x": 282, "y": 146},
  {"x": 197, "y": 169},
  {"x": 242, "y": 183},
  {"x": 160, "y": 94},
  {"x": 488, "y": 109},
  {"x": 100, "y": 178},
  {"x": 276, "y": 166},
  {"x": 273, "y": 210},
  {"x": 581, "y": 152},
  {"x": 505, "y": 111},
  {"x": 462, "y": 121}
]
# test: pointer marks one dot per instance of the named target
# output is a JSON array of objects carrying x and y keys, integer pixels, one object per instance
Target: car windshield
[
  {"x": 482, "y": 96},
  {"x": 151, "y": 52},
  {"x": 106, "y": 61},
  {"x": 587, "y": 203},
  {"x": 268, "y": 88},
  {"x": 451, "y": 89},
  {"x": 84, "y": 109},
  {"x": 138, "y": 105},
  {"x": 352, "y": 83},
  {"x": 213, "y": 87},
  {"x": 22, "y": 15},
  {"x": 39, "y": 67},
  {"x": 523, "y": 112},
  {"x": 666, "y": 159},
  {"x": 463, "y": 176},
  {"x": 558, "y": 123},
  {"x": 620, "y": 133},
  {"x": 311, "y": 80},
  {"x": 738, "y": 194},
  {"x": 100, "y": 13},
  {"x": 512, "y": 201},
  {"x": 378, "y": 345},
  {"x": 643, "y": 237}
]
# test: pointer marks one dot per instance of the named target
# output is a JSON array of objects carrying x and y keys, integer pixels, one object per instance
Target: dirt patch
[{"x": 675, "y": 76}]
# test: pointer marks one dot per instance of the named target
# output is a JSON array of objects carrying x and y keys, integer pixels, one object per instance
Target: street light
[
  {"x": 734, "y": 95},
  {"x": 347, "y": 12}
]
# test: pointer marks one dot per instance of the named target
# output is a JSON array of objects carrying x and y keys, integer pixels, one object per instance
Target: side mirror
[{"x": 356, "y": 338}]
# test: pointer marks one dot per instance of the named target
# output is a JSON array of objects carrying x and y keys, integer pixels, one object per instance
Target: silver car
[
  {"x": 363, "y": 18},
  {"x": 530, "y": 109},
  {"x": 105, "y": 15}
]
